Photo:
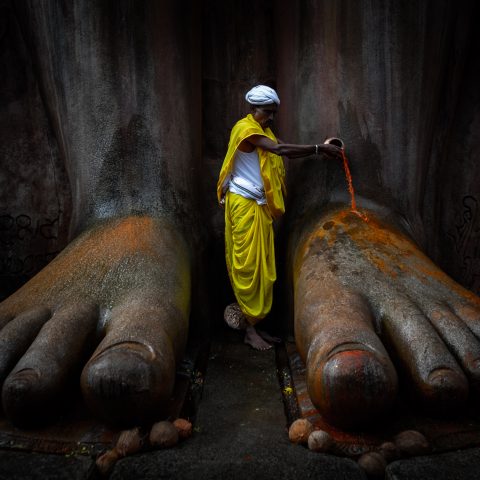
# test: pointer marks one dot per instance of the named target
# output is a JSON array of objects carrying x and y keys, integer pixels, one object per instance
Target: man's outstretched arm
[{"x": 291, "y": 150}]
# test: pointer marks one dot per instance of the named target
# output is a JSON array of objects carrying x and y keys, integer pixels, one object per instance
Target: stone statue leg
[
  {"x": 361, "y": 285},
  {"x": 111, "y": 312},
  {"x": 374, "y": 317}
]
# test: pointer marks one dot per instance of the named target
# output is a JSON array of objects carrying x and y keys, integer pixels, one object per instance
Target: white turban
[{"x": 262, "y": 95}]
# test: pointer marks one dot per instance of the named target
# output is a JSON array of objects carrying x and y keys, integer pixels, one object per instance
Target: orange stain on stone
[
  {"x": 386, "y": 247},
  {"x": 88, "y": 260}
]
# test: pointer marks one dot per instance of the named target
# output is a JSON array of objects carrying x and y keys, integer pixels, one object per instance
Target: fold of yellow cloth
[{"x": 250, "y": 255}]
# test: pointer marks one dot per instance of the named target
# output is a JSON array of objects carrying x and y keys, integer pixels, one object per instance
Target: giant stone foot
[
  {"x": 372, "y": 312},
  {"x": 120, "y": 290}
]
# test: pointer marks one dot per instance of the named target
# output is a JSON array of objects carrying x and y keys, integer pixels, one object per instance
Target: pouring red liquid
[{"x": 353, "y": 205}]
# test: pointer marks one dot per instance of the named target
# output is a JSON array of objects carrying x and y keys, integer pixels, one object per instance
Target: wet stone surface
[
  {"x": 22, "y": 466},
  {"x": 240, "y": 431},
  {"x": 461, "y": 465}
]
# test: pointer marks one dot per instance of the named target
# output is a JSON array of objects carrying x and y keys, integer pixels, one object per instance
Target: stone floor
[{"x": 240, "y": 433}]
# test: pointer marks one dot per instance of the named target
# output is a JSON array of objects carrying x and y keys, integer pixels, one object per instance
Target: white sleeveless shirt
[{"x": 246, "y": 179}]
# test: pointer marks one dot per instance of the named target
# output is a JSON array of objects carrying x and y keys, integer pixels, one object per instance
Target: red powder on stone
[{"x": 353, "y": 204}]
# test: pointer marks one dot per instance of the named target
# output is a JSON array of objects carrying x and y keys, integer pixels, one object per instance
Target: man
[{"x": 251, "y": 185}]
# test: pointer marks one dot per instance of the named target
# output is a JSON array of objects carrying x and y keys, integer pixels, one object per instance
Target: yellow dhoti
[{"x": 250, "y": 255}]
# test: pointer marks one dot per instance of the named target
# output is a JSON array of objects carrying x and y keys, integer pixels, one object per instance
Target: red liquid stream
[{"x": 353, "y": 204}]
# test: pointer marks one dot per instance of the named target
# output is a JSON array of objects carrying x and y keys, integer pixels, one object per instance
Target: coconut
[
  {"x": 320, "y": 441},
  {"x": 300, "y": 430},
  {"x": 389, "y": 451},
  {"x": 106, "y": 461},
  {"x": 129, "y": 442},
  {"x": 411, "y": 443},
  {"x": 373, "y": 464},
  {"x": 184, "y": 427},
  {"x": 163, "y": 435}
]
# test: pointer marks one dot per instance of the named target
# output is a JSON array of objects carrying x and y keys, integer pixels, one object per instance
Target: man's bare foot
[
  {"x": 253, "y": 339},
  {"x": 126, "y": 281},
  {"x": 369, "y": 304}
]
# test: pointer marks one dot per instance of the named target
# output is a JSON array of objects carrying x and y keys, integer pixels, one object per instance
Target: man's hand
[{"x": 331, "y": 151}]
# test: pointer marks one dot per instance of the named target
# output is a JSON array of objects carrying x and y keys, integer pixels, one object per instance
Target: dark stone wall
[
  {"x": 135, "y": 100},
  {"x": 121, "y": 83},
  {"x": 34, "y": 189},
  {"x": 237, "y": 52},
  {"x": 396, "y": 81},
  {"x": 455, "y": 218},
  {"x": 373, "y": 73}
]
